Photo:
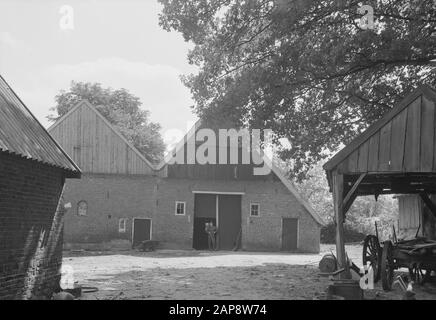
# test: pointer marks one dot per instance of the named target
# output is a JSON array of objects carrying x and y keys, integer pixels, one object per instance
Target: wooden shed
[{"x": 396, "y": 155}]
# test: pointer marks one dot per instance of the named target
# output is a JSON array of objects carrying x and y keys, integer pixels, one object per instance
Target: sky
[{"x": 44, "y": 45}]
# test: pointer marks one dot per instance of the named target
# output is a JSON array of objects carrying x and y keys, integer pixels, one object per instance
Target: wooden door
[
  {"x": 229, "y": 221},
  {"x": 289, "y": 234},
  {"x": 141, "y": 230}
]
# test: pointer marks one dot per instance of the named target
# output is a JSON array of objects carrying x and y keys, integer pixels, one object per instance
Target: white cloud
[{"x": 158, "y": 87}]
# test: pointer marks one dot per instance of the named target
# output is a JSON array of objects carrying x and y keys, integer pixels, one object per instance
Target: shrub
[{"x": 328, "y": 234}]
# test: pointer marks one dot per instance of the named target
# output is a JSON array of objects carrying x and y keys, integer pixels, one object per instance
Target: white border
[
  {"x": 139, "y": 218},
  {"x": 184, "y": 208},
  {"x": 258, "y": 210},
  {"x": 125, "y": 225},
  {"x": 219, "y": 192}
]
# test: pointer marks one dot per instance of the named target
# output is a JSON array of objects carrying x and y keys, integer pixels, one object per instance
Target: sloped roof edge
[
  {"x": 119, "y": 134},
  {"x": 424, "y": 90},
  {"x": 276, "y": 170},
  {"x": 34, "y": 142}
]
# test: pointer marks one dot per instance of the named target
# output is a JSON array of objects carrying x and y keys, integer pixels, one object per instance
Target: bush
[{"x": 328, "y": 234}]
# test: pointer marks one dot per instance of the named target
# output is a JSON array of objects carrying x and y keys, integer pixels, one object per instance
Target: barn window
[
  {"x": 82, "y": 208},
  {"x": 122, "y": 223},
  {"x": 254, "y": 209},
  {"x": 180, "y": 208}
]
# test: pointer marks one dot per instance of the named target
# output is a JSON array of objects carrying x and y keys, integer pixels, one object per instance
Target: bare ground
[{"x": 170, "y": 274}]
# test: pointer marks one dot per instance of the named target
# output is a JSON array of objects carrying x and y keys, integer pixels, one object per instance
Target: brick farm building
[
  {"x": 123, "y": 199},
  {"x": 33, "y": 169}
]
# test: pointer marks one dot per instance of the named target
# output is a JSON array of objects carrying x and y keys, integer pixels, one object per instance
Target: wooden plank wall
[
  {"x": 216, "y": 172},
  {"x": 238, "y": 171},
  {"x": 95, "y": 147},
  {"x": 404, "y": 144},
  {"x": 410, "y": 216}
]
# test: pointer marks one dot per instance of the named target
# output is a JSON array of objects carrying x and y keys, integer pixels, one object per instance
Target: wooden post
[{"x": 338, "y": 197}]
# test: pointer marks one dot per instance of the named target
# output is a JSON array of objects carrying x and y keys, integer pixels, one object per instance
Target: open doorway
[
  {"x": 204, "y": 211},
  {"x": 224, "y": 211}
]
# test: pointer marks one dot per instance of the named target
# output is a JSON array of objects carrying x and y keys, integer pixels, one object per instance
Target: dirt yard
[{"x": 169, "y": 274}]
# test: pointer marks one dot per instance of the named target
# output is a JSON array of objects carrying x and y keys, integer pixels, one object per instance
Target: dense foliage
[
  {"x": 307, "y": 69},
  {"x": 361, "y": 217}
]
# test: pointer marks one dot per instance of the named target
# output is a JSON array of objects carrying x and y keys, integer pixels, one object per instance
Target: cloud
[{"x": 158, "y": 87}]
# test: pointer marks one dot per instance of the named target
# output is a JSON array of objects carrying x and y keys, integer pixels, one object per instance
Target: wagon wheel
[
  {"x": 419, "y": 275},
  {"x": 371, "y": 253},
  {"x": 387, "y": 265}
]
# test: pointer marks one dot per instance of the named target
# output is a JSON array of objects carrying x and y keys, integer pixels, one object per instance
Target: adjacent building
[{"x": 33, "y": 170}]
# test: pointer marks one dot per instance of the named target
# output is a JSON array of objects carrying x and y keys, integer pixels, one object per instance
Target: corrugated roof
[{"x": 22, "y": 134}]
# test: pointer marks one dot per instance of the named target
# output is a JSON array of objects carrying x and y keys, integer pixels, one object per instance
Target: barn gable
[
  {"x": 227, "y": 171},
  {"x": 403, "y": 140},
  {"x": 95, "y": 145}
]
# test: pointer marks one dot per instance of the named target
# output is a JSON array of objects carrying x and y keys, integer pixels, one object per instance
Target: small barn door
[
  {"x": 289, "y": 234},
  {"x": 141, "y": 230},
  {"x": 229, "y": 221}
]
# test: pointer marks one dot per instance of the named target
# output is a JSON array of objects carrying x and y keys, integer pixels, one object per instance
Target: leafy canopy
[
  {"x": 120, "y": 108},
  {"x": 304, "y": 68}
]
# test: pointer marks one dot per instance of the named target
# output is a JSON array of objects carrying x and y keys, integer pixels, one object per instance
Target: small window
[
  {"x": 180, "y": 208},
  {"x": 254, "y": 209},
  {"x": 122, "y": 225},
  {"x": 82, "y": 208}
]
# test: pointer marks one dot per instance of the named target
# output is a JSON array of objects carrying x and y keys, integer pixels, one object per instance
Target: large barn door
[
  {"x": 204, "y": 211},
  {"x": 229, "y": 221},
  {"x": 289, "y": 234}
]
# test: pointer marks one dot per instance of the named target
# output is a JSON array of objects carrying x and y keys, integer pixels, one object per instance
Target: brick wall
[
  {"x": 30, "y": 228},
  {"x": 109, "y": 198},
  {"x": 258, "y": 233}
]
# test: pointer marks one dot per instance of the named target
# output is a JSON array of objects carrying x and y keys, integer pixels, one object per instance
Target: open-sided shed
[{"x": 396, "y": 155}]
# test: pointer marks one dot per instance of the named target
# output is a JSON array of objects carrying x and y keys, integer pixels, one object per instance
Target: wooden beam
[
  {"x": 338, "y": 190},
  {"x": 348, "y": 205},
  {"x": 349, "y": 197},
  {"x": 428, "y": 203}
]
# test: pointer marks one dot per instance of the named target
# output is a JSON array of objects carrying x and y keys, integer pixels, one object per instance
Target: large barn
[
  {"x": 122, "y": 196},
  {"x": 33, "y": 169}
]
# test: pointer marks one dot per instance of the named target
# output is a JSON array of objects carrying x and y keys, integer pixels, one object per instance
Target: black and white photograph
[{"x": 212, "y": 157}]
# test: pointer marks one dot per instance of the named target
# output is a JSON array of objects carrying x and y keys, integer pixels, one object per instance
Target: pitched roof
[
  {"x": 275, "y": 169},
  {"x": 363, "y": 137},
  {"x": 119, "y": 134},
  {"x": 22, "y": 134}
]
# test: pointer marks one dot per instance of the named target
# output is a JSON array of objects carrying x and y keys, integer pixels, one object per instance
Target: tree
[
  {"x": 120, "y": 108},
  {"x": 304, "y": 68},
  {"x": 361, "y": 215}
]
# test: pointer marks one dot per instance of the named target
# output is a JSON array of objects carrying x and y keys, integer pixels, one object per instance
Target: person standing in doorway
[{"x": 211, "y": 231}]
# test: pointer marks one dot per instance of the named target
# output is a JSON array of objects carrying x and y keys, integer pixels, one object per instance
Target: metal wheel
[
  {"x": 387, "y": 265},
  {"x": 419, "y": 275},
  {"x": 372, "y": 254}
]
